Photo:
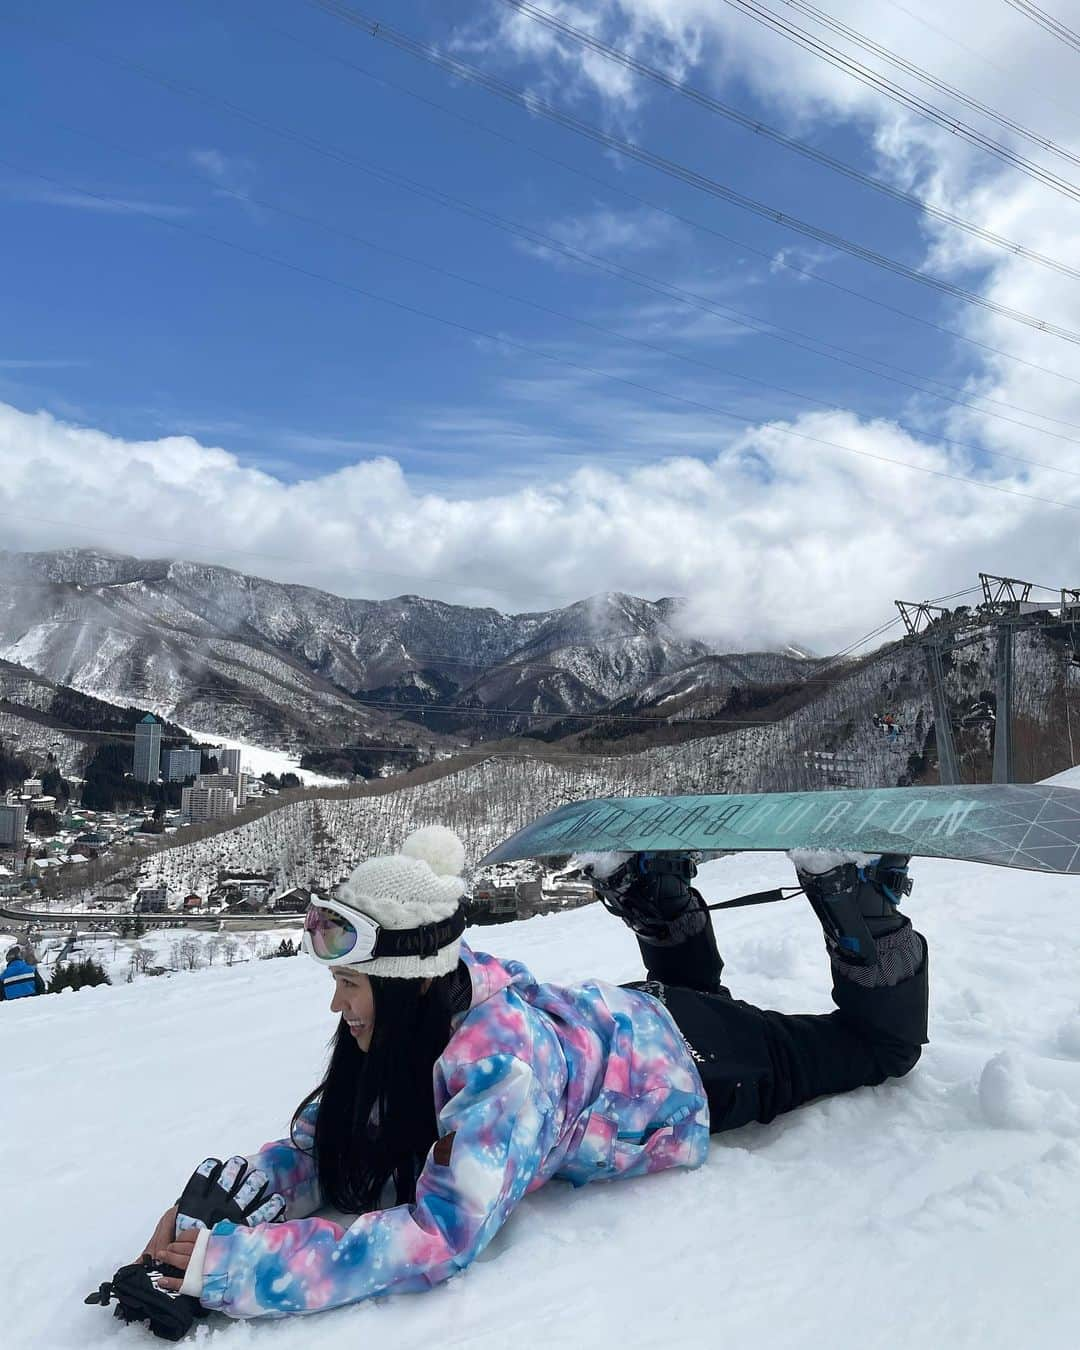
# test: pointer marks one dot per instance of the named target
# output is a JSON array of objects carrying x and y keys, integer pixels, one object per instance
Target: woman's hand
[
  {"x": 162, "y": 1235},
  {"x": 178, "y": 1254}
]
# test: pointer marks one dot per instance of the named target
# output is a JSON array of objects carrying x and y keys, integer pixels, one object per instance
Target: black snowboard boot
[
  {"x": 858, "y": 905},
  {"x": 879, "y": 962},
  {"x": 652, "y": 895}
]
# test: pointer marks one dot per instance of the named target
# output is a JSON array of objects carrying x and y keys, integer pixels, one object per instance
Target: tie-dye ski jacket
[{"x": 537, "y": 1081}]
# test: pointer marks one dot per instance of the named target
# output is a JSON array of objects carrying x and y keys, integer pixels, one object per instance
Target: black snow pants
[{"x": 756, "y": 1064}]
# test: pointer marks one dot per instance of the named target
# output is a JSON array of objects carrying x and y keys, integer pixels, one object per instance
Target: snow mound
[{"x": 1007, "y": 1100}]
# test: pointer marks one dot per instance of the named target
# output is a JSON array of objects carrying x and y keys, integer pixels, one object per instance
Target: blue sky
[
  {"x": 166, "y": 331},
  {"x": 161, "y": 313}
]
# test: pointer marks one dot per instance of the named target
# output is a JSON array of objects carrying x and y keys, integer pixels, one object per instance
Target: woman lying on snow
[{"x": 458, "y": 1083}]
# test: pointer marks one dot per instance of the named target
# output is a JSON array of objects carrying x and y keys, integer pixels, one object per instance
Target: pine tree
[{"x": 78, "y": 974}]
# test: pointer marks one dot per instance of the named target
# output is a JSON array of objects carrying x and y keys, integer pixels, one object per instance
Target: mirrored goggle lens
[{"x": 332, "y": 935}]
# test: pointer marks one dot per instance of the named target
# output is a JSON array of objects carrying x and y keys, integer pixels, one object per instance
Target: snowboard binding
[
  {"x": 857, "y": 904},
  {"x": 648, "y": 892},
  {"x": 140, "y": 1297}
]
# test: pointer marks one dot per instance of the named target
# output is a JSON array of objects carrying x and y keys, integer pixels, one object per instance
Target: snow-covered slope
[{"x": 939, "y": 1211}]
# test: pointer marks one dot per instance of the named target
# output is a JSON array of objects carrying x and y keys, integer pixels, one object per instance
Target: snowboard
[{"x": 1031, "y": 826}]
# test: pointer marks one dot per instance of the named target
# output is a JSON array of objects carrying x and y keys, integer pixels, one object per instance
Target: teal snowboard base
[{"x": 1030, "y": 826}]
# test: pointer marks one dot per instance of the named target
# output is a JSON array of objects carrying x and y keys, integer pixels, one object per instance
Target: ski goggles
[{"x": 338, "y": 935}]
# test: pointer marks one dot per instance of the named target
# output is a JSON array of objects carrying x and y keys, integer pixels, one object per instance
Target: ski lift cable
[
  {"x": 915, "y": 103},
  {"x": 502, "y": 339},
  {"x": 1053, "y": 26},
  {"x": 747, "y": 319},
  {"x": 642, "y": 343},
  {"x": 691, "y": 177},
  {"x": 756, "y": 126}
]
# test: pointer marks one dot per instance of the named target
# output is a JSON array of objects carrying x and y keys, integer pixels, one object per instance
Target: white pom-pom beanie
[{"x": 420, "y": 885}]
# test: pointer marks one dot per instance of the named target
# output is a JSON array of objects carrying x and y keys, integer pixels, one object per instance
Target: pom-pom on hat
[{"x": 419, "y": 885}]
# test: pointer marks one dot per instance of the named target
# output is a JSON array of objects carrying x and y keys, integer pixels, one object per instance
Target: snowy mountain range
[{"x": 223, "y": 652}]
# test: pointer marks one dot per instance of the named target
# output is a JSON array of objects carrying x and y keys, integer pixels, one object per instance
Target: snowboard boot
[
  {"x": 652, "y": 895},
  {"x": 857, "y": 904},
  {"x": 879, "y": 962}
]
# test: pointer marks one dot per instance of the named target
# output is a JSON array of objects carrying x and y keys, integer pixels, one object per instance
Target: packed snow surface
[
  {"x": 257, "y": 760},
  {"x": 940, "y": 1210}
]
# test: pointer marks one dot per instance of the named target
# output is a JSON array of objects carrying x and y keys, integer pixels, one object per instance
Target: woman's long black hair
[{"x": 376, "y": 1117}]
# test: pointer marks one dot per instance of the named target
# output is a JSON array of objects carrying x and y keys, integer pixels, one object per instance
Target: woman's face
[{"x": 354, "y": 999}]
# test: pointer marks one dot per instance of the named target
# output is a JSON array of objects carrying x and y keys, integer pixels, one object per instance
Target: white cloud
[
  {"x": 561, "y": 68},
  {"x": 79, "y": 201},
  {"x": 807, "y": 261},
  {"x": 228, "y": 171},
  {"x": 33, "y": 363},
  {"x": 772, "y": 538},
  {"x": 989, "y": 52},
  {"x": 233, "y": 176},
  {"x": 606, "y": 232}
]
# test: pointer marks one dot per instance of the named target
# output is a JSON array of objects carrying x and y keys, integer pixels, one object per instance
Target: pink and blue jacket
[{"x": 537, "y": 1081}]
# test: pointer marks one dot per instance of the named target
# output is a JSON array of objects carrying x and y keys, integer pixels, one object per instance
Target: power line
[
  {"x": 868, "y": 44},
  {"x": 1053, "y": 26},
  {"x": 912, "y": 102},
  {"x": 515, "y": 228},
  {"x": 741, "y": 316},
  {"x": 500, "y": 338},
  {"x": 691, "y": 177},
  {"x": 755, "y": 125},
  {"x": 1045, "y": 96},
  {"x": 642, "y": 343}
]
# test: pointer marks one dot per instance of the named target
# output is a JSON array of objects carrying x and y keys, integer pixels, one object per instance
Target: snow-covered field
[
  {"x": 178, "y": 951},
  {"x": 257, "y": 760},
  {"x": 940, "y": 1211}
]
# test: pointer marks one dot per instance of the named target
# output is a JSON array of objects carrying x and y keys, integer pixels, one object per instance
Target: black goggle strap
[{"x": 423, "y": 941}]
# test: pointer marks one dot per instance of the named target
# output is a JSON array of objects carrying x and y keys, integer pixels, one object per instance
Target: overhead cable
[
  {"x": 902, "y": 63},
  {"x": 537, "y": 351},
  {"x": 500, "y": 338},
  {"x": 691, "y": 177},
  {"x": 881, "y": 84},
  {"x": 743, "y": 316},
  {"x": 746, "y": 318},
  {"x": 1053, "y": 26},
  {"x": 755, "y": 125},
  {"x": 642, "y": 343}
]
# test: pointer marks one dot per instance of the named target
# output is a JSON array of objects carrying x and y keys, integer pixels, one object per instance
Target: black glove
[
  {"x": 140, "y": 1298},
  {"x": 648, "y": 891},
  {"x": 217, "y": 1190}
]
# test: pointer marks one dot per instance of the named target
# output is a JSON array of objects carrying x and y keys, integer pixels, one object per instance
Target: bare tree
[
  {"x": 187, "y": 954},
  {"x": 141, "y": 957}
]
